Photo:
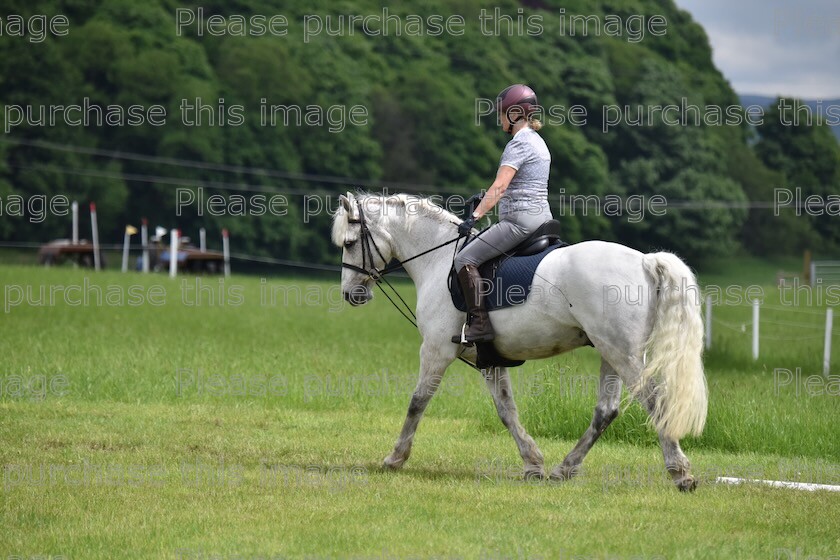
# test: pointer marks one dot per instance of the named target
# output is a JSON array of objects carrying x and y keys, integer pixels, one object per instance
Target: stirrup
[{"x": 463, "y": 338}]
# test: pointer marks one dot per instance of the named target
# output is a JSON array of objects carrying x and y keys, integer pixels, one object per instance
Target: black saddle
[
  {"x": 546, "y": 235},
  {"x": 515, "y": 269}
]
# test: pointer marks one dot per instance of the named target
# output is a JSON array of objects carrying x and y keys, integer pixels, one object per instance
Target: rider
[{"x": 521, "y": 189}]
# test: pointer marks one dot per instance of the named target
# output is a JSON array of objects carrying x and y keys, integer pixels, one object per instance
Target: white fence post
[
  {"x": 829, "y": 320},
  {"x": 126, "y": 246},
  {"x": 94, "y": 236},
  {"x": 202, "y": 240},
  {"x": 226, "y": 251},
  {"x": 708, "y": 322},
  {"x": 755, "y": 330},
  {"x": 144, "y": 239},
  {"x": 174, "y": 234},
  {"x": 75, "y": 207}
]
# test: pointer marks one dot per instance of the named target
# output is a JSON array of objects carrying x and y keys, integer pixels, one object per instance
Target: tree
[{"x": 808, "y": 157}]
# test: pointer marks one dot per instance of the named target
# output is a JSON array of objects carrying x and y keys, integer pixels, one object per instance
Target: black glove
[
  {"x": 472, "y": 202},
  {"x": 465, "y": 227}
]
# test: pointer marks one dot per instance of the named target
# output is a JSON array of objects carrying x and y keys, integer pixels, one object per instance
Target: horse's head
[{"x": 358, "y": 229}]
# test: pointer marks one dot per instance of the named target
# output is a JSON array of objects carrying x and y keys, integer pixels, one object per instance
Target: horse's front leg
[
  {"x": 498, "y": 381},
  {"x": 434, "y": 360}
]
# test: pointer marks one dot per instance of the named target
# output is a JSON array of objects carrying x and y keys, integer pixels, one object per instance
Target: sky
[{"x": 774, "y": 47}]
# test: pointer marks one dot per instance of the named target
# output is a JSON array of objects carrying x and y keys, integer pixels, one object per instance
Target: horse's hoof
[
  {"x": 392, "y": 464},
  {"x": 686, "y": 484},
  {"x": 564, "y": 472},
  {"x": 534, "y": 473}
]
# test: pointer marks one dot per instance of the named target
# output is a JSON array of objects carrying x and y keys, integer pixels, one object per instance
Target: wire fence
[
  {"x": 234, "y": 256},
  {"x": 758, "y": 328}
]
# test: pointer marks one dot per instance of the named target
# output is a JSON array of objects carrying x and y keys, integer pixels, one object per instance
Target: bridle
[
  {"x": 378, "y": 275},
  {"x": 369, "y": 246}
]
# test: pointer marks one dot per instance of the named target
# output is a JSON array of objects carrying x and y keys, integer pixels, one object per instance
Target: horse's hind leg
[
  {"x": 498, "y": 382},
  {"x": 677, "y": 464},
  {"x": 432, "y": 366},
  {"x": 609, "y": 396}
]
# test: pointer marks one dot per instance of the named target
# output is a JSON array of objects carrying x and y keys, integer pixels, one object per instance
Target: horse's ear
[{"x": 345, "y": 201}]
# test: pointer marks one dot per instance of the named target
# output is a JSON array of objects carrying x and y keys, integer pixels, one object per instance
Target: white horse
[{"x": 640, "y": 311}]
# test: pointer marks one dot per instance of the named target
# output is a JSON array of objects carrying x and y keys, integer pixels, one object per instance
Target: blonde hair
[{"x": 535, "y": 124}]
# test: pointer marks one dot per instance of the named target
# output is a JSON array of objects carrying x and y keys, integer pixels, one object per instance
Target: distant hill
[{"x": 765, "y": 101}]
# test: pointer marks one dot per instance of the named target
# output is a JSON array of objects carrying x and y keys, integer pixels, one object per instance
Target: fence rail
[
  {"x": 825, "y": 273},
  {"x": 754, "y": 327}
]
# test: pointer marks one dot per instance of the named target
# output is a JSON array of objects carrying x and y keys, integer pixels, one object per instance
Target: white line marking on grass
[{"x": 810, "y": 487}]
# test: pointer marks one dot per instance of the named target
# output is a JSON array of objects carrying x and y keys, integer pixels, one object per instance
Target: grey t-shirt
[{"x": 528, "y": 191}]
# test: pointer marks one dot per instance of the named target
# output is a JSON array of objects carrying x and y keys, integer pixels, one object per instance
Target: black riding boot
[{"x": 478, "y": 327}]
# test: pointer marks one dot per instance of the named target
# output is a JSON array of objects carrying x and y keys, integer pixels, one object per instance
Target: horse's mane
[{"x": 415, "y": 208}]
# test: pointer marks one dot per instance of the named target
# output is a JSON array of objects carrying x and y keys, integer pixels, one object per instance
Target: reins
[
  {"x": 367, "y": 242},
  {"x": 368, "y": 246}
]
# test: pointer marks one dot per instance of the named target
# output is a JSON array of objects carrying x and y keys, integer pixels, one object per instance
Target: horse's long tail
[{"x": 674, "y": 366}]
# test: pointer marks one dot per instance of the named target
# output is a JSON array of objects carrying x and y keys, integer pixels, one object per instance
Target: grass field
[{"x": 165, "y": 425}]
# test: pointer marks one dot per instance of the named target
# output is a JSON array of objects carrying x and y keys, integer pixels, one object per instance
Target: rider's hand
[
  {"x": 465, "y": 227},
  {"x": 472, "y": 202}
]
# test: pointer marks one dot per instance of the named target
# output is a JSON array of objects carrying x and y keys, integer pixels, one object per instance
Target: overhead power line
[
  {"x": 210, "y": 166},
  {"x": 574, "y": 200}
]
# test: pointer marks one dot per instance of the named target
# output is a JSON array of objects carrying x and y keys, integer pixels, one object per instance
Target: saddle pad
[{"x": 511, "y": 283}]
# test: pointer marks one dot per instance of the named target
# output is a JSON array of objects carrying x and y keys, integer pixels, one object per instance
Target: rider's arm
[{"x": 496, "y": 190}]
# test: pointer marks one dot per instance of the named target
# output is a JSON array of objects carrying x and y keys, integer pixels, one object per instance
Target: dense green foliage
[{"x": 420, "y": 135}]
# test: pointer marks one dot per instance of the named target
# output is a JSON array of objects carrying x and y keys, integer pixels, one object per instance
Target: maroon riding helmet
[{"x": 516, "y": 102}]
